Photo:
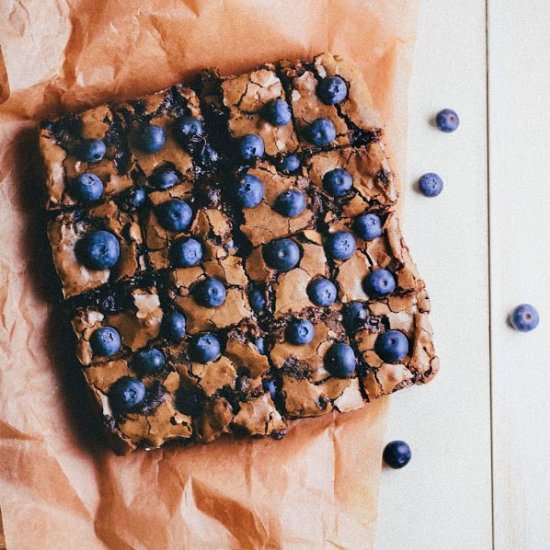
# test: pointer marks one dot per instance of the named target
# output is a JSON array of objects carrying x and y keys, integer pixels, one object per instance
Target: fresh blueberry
[
  {"x": 269, "y": 386},
  {"x": 174, "y": 325},
  {"x": 149, "y": 361},
  {"x": 340, "y": 360},
  {"x": 354, "y": 314},
  {"x": 251, "y": 146},
  {"x": 337, "y": 182},
  {"x": 368, "y": 226},
  {"x": 299, "y": 332},
  {"x": 321, "y": 132},
  {"x": 257, "y": 300},
  {"x": 105, "y": 341},
  {"x": 392, "y": 346},
  {"x": 525, "y": 318},
  {"x": 322, "y": 292},
  {"x": 174, "y": 215},
  {"x": 135, "y": 197},
  {"x": 289, "y": 164},
  {"x": 186, "y": 252},
  {"x": 210, "y": 292},
  {"x": 187, "y": 127},
  {"x": 277, "y": 112},
  {"x": 282, "y": 254},
  {"x": 447, "y": 120},
  {"x": 397, "y": 454},
  {"x": 87, "y": 188},
  {"x": 127, "y": 394},
  {"x": 164, "y": 178},
  {"x": 204, "y": 348},
  {"x": 380, "y": 283},
  {"x": 151, "y": 138},
  {"x": 332, "y": 90},
  {"x": 290, "y": 203},
  {"x": 250, "y": 192},
  {"x": 98, "y": 250},
  {"x": 260, "y": 344},
  {"x": 430, "y": 184},
  {"x": 91, "y": 150},
  {"x": 341, "y": 245}
]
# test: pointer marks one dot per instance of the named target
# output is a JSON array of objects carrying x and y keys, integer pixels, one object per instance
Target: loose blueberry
[
  {"x": 380, "y": 283},
  {"x": 397, "y": 454},
  {"x": 149, "y": 361},
  {"x": 91, "y": 150},
  {"x": 98, "y": 250},
  {"x": 447, "y": 120},
  {"x": 164, "y": 178},
  {"x": 277, "y": 112},
  {"x": 368, "y": 226},
  {"x": 282, "y": 254},
  {"x": 257, "y": 300},
  {"x": 269, "y": 386},
  {"x": 87, "y": 188},
  {"x": 332, "y": 90},
  {"x": 322, "y": 292},
  {"x": 251, "y": 146},
  {"x": 289, "y": 164},
  {"x": 174, "y": 215},
  {"x": 341, "y": 245},
  {"x": 392, "y": 346},
  {"x": 430, "y": 184},
  {"x": 299, "y": 332},
  {"x": 260, "y": 344},
  {"x": 204, "y": 348},
  {"x": 105, "y": 341},
  {"x": 151, "y": 139},
  {"x": 354, "y": 316},
  {"x": 340, "y": 360},
  {"x": 290, "y": 203},
  {"x": 210, "y": 292},
  {"x": 525, "y": 318},
  {"x": 321, "y": 132},
  {"x": 337, "y": 182},
  {"x": 127, "y": 394},
  {"x": 186, "y": 252},
  {"x": 250, "y": 192},
  {"x": 135, "y": 197},
  {"x": 186, "y": 128},
  {"x": 174, "y": 325}
]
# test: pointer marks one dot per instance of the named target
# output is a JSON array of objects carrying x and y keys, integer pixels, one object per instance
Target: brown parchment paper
[{"x": 60, "y": 487}]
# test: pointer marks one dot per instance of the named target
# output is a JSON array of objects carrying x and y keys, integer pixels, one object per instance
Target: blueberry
[
  {"x": 164, "y": 178},
  {"x": 397, "y": 454},
  {"x": 322, "y": 292},
  {"x": 186, "y": 252},
  {"x": 525, "y": 318},
  {"x": 91, "y": 150},
  {"x": 204, "y": 348},
  {"x": 332, "y": 90},
  {"x": 299, "y": 332},
  {"x": 269, "y": 386},
  {"x": 210, "y": 292},
  {"x": 368, "y": 226},
  {"x": 149, "y": 361},
  {"x": 260, "y": 344},
  {"x": 151, "y": 139},
  {"x": 257, "y": 300},
  {"x": 430, "y": 184},
  {"x": 98, "y": 250},
  {"x": 174, "y": 325},
  {"x": 251, "y": 146},
  {"x": 340, "y": 360},
  {"x": 380, "y": 283},
  {"x": 341, "y": 245},
  {"x": 105, "y": 341},
  {"x": 392, "y": 346},
  {"x": 187, "y": 127},
  {"x": 127, "y": 394},
  {"x": 447, "y": 120},
  {"x": 135, "y": 197},
  {"x": 354, "y": 316},
  {"x": 289, "y": 164},
  {"x": 277, "y": 112},
  {"x": 174, "y": 215},
  {"x": 250, "y": 192},
  {"x": 290, "y": 203},
  {"x": 282, "y": 254},
  {"x": 337, "y": 182},
  {"x": 321, "y": 132},
  {"x": 87, "y": 188}
]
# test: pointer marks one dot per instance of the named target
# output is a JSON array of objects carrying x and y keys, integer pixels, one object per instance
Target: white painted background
[{"x": 480, "y": 432}]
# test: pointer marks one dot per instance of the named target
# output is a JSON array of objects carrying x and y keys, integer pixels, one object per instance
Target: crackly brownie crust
[{"x": 258, "y": 380}]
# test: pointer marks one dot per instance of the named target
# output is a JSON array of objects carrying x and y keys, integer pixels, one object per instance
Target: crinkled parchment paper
[{"x": 59, "y": 486}]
